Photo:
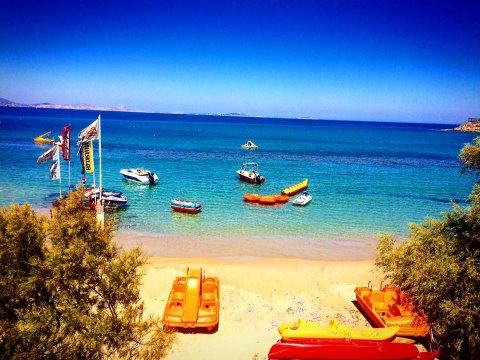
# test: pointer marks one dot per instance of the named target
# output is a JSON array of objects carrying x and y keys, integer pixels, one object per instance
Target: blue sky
[{"x": 415, "y": 61}]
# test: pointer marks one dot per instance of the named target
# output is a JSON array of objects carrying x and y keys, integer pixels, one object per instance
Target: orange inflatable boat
[
  {"x": 390, "y": 307},
  {"x": 251, "y": 197},
  {"x": 193, "y": 302},
  {"x": 267, "y": 200},
  {"x": 281, "y": 198}
]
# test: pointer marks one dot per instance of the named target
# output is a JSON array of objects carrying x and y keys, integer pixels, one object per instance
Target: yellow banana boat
[
  {"x": 292, "y": 190},
  {"x": 311, "y": 330}
]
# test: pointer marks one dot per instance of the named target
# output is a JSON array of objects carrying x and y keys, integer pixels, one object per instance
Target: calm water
[{"x": 365, "y": 178}]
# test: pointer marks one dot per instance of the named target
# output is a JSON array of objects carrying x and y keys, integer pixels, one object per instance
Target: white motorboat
[
  {"x": 249, "y": 173},
  {"x": 140, "y": 176},
  {"x": 303, "y": 199}
]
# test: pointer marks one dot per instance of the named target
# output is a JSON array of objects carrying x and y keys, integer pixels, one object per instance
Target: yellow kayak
[
  {"x": 292, "y": 190},
  {"x": 311, "y": 330}
]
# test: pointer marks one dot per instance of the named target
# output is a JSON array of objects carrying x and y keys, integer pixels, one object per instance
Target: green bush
[
  {"x": 67, "y": 291},
  {"x": 439, "y": 267}
]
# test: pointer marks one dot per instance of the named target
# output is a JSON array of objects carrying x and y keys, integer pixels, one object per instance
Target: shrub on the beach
[
  {"x": 439, "y": 267},
  {"x": 67, "y": 291}
]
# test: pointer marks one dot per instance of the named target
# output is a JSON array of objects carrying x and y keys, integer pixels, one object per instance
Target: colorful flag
[
  {"x": 55, "y": 168},
  {"x": 81, "y": 151},
  {"x": 89, "y": 133},
  {"x": 47, "y": 155},
  {"x": 88, "y": 157},
  {"x": 66, "y": 135}
]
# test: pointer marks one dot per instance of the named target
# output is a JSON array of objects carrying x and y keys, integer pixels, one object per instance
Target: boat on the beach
[
  {"x": 193, "y": 302},
  {"x": 252, "y": 197},
  {"x": 303, "y": 199},
  {"x": 187, "y": 206},
  {"x": 390, "y": 307},
  {"x": 249, "y": 145},
  {"x": 44, "y": 139},
  {"x": 249, "y": 173},
  {"x": 347, "y": 349},
  {"x": 301, "y": 330},
  {"x": 140, "y": 176},
  {"x": 294, "y": 189}
]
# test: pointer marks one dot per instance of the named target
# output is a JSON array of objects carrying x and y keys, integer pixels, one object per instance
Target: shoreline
[
  {"x": 355, "y": 248},
  {"x": 256, "y": 296}
]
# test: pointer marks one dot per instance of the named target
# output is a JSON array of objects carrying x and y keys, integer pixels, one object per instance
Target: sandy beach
[{"x": 258, "y": 294}]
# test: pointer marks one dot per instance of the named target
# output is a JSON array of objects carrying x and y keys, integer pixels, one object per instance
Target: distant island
[
  {"x": 13, "y": 104},
  {"x": 471, "y": 125},
  {"x": 8, "y": 103}
]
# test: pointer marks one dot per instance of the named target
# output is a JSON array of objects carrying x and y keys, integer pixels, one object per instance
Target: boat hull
[
  {"x": 251, "y": 197},
  {"x": 305, "y": 330},
  {"x": 267, "y": 200},
  {"x": 186, "y": 209},
  {"x": 145, "y": 179},
  {"x": 346, "y": 349},
  {"x": 185, "y": 206},
  {"x": 193, "y": 302},
  {"x": 386, "y": 308},
  {"x": 252, "y": 180},
  {"x": 303, "y": 201}
]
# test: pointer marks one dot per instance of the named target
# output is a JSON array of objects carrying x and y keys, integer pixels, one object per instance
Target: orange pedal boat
[
  {"x": 193, "y": 302},
  {"x": 390, "y": 307}
]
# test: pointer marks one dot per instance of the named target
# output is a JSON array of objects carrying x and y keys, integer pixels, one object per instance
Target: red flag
[{"x": 66, "y": 135}]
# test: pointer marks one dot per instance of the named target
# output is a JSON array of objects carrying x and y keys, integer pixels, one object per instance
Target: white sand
[{"x": 258, "y": 294}]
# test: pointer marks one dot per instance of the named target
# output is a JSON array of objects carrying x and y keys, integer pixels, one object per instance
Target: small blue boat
[{"x": 185, "y": 206}]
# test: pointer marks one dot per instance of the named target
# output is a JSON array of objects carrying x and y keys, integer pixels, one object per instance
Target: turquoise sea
[{"x": 366, "y": 178}]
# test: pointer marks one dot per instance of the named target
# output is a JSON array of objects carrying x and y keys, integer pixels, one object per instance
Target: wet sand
[{"x": 302, "y": 247}]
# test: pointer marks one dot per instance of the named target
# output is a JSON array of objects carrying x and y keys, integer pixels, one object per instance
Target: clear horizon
[{"x": 413, "y": 61}]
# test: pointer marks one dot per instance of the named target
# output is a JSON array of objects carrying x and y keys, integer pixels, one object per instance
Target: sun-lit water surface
[{"x": 365, "y": 178}]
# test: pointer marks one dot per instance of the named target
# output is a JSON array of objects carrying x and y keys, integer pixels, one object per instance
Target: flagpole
[
  {"x": 100, "y": 154},
  {"x": 100, "y": 212},
  {"x": 59, "y": 170}
]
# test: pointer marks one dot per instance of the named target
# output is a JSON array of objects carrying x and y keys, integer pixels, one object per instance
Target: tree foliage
[
  {"x": 439, "y": 267},
  {"x": 470, "y": 156},
  {"x": 75, "y": 295}
]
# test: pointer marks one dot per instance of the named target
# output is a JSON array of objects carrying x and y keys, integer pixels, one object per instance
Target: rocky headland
[{"x": 471, "y": 125}]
